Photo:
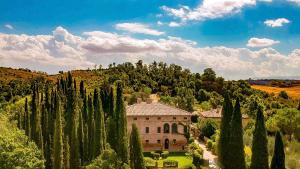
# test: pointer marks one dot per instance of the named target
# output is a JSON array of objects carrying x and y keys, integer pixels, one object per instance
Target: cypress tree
[
  {"x": 66, "y": 153},
  {"x": 278, "y": 160},
  {"x": 91, "y": 129},
  {"x": 104, "y": 93},
  {"x": 236, "y": 145},
  {"x": 58, "y": 139},
  {"x": 225, "y": 132},
  {"x": 82, "y": 90},
  {"x": 121, "y": 126},
  {"x": 74, "y": 142},
  {"x": 99, "y": 124},
  {"x": 136, "y": 150},
  {"x": 299, "y": 106},
  {"x": 259, "y": 158},
  {"x": 27, "y": 119},
  {"x": 81, "y": 137},
  {"x": 111, "y": 122}
]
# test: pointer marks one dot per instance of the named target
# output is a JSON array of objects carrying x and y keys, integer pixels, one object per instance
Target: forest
[{"x": 77, "y": 119}]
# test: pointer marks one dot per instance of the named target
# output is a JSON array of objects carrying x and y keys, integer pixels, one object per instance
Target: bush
[
  {"x": 170, "y": 164},
  {"x": 149, "y": 162},
  {"x": 155, "y": 155},
  {"x": 209, "y": 144},
  {"x": 283, "y": 94},
  {"x": 165, "y": 154}
]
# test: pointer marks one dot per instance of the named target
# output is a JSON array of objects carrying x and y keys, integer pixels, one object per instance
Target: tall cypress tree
[
  {"x": 111, "y": 122},
  {"x": 278, "y": 160},
  {"x": 66, "y": 153},
  {"x": 58, "y": 138},
  {"x": 74, "y": 142},
  {"x": 259, "y": 158},
  {"x": 82, "y": 90},
  {"x": 99, "y": 124},
  {"x": 236, "y": 145},
  {"x": 81, "y": 137},
  {"x": 225, "y": 132},
  {"x": 91, "y": 129},
  {"x": 122, "y": 138},
  {"x": 27, "y": 119},
  {"x": 136, "y": 150}
]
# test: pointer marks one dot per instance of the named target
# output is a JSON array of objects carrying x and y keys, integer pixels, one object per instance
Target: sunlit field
[{"x": 292, "y": 91}]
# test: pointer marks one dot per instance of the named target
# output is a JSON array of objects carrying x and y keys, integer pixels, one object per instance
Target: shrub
[
  {"x": 149, "y": 162},
  {"x": 155, "y": 155},
  {"x": 170, "y": 163},
  {"x": 207, "y": 127},
  {"x": 209, "y": 144},
  {"x": 165, "y": 154},
  {"x": 283, "y": 94}
]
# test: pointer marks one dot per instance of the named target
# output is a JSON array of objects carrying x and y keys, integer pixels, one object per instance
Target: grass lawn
[{"x": 182, "y": 159}]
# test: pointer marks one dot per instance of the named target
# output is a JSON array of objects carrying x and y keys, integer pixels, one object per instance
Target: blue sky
[{"x": 237, "y": 25}]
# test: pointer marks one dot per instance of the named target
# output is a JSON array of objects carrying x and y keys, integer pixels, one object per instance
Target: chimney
[
  {"x": 148, "y": 101},
  {"x": 139, "y": 100}
]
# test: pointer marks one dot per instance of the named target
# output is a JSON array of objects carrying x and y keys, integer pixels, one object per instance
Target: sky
[{"x": 239, "y": 39}]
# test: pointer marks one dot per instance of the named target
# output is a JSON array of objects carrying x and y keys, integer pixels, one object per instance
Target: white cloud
[
  {"x": 159, "y": 23},
  {"x": 295, "y": 1},
  {"x": 62, "y": 50},
  {"x": 138, "y": 28},
  {"x": 261, "y": 42},
  {"x": 209, "y": 9},
  {"x": 276, "y": 22},
  {"x": 174, "y": 24},
  {"x": 8, "y": 26}
]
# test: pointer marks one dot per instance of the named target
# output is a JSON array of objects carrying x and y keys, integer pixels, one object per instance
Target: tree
[
  {"x": 299, "y": 106},
  {"x": 136, "y": 150},
  {"x": 58, "y": 138},
  {"x": 207, "y": 127},
  {"x": 236, "y": 145},
  {"x": 99, "y": 124},
  {"x": 283, "y": 94},
  {"x": 66, "y": 153},
  {"x": 278, "y": 160},
  {"x": 27, "y": 119},
  {"x": 122, "y": 139},
  {"x": 259, "y": 159},
  {"x": 91, "y": 129},
  {"x": 224, "y": 140}
]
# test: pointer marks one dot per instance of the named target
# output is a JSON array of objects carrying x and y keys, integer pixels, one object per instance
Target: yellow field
[{"x": 293, "y": 92}]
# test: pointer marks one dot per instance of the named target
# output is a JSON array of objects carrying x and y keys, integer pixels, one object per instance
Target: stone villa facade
[{"x": 161, "y": 126}]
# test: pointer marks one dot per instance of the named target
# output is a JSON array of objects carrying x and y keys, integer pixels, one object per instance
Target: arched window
[
  {"x": 174, "y": 128},
  {"x": 166, "y": 128}
]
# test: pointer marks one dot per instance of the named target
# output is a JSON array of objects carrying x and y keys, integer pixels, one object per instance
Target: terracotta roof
[
  {"x": 216, "y": 113},
  {"x": 155, "y": 109}
]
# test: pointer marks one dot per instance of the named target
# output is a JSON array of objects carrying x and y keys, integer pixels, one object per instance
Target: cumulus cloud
[
  {"x": 8, "y": 26},
  {"x": 62, "y": 50},
  {"x": 138, "y": 28},
  {"x": 261, "y": 42},
  {"x": 208, "y": 9},
  {"x": 174, "y": 24},
  {"x": 276, "y": 22}
]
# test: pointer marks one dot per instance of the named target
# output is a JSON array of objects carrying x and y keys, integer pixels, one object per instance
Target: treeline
[
  {"x": 231, "y": 146},
  {"x": 72, "y": 127}
]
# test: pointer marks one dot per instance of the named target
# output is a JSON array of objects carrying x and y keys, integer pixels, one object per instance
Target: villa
[{"x": 161, "y": 126}]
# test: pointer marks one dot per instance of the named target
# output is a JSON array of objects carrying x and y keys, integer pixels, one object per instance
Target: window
[
  {"x": 158, "y": 141},
  {"x": 185, "y": 118},
  {"x": 174, "y": 128},
  {"x": 174, "y": 141},
  {"x": 158, "y": 118},
  {"x": 147, "y": 118},
  {"x": 147, "y": 141},
  {"x": 135, "y": 118},
  {"x": 185, "y": 129},
  {"x": 147, "y": 129},
  {"x": 166, "y": 128},
  {"x": 174, "y": 118},
  {"x": 158, "y": 129}
]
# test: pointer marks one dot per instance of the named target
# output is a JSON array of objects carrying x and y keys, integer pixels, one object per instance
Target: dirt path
[{"x": 207, "y": 155}]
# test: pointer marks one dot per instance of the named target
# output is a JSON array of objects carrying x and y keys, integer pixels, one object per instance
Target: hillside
[{"x": 293, "y": 91}]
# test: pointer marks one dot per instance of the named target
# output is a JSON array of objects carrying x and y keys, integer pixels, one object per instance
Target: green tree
[
  {"x": 99, "y": 124},
  {"x": 122, "y": 139},
  {"x": 27, "y": 119},
  {"x": 223, "y": 145},
  {"x": 259, "y": 159},
  {"x": 278, "y": 160},
  {"x": 58, "y": 138},
  {"x": 91, "y": 129},
  {"x": 136, "y": 150},
  {"x": 236, "y": 146},
  {"x": 299, "y": 106},
  {"x": 283, "y": 94},
  {"x": 207, "y": 127},
  {"x": 66, "y": 153}
]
